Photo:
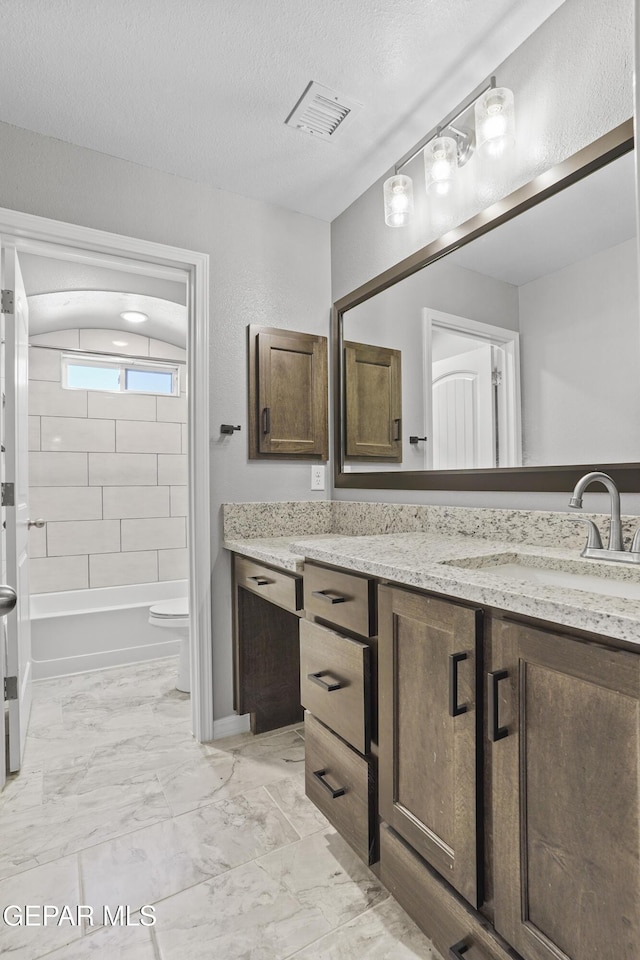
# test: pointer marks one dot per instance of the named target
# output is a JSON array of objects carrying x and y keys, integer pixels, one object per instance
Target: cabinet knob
[{"x": 457, "y": 950}]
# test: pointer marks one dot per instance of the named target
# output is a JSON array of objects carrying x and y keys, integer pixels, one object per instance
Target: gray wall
[
  {"x": 268, "y": 266},
  {"x": 573, "y": 81}
]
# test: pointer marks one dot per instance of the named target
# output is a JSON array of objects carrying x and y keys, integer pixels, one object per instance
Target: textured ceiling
[{"x": 201, "y": 88}]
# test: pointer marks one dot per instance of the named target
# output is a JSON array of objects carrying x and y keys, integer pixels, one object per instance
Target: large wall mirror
[{"x": 505, "y": 355}]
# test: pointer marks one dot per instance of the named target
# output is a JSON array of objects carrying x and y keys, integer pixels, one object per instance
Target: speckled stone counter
[
  {"x": 276, "y": 551},
  {"x": 423, "y": 560}
]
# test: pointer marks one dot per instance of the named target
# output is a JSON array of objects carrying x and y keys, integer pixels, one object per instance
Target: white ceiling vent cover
[{"x": 321, "y": 112}]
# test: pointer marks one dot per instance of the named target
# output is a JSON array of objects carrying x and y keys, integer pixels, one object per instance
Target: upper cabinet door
[
  {"x": 564, "y": 719},
  {"x": 428, "y": 728},
  {"x": 373, "y": 402},
  {"x": 288, "y": 391}
]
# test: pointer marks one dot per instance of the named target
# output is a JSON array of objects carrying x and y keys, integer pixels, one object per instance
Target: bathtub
[{"x": 79, "y": 630}]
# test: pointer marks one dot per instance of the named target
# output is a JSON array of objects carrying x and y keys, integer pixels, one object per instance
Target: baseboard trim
[{"x": 232, "y": 725}]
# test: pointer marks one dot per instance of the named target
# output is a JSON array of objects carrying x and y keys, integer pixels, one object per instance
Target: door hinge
[
  {"x": 8, "y": 497},
  {"x": 6, "y": 301},
  {"x": 11, "y": 688},
  {"x": 496, "y": 377}
]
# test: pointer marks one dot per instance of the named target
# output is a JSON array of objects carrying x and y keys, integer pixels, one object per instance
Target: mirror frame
[{"x": 602, "y": 151}]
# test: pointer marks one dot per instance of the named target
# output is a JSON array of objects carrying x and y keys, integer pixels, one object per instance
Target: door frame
[
  {"x": 67, "y": 241},
  {"x": 509, "y": 411}
]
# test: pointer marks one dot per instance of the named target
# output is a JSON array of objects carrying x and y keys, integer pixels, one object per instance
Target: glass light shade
[
  {"x": 441, "y": 165},
  {"x": 495, "y": 122},
  {"x": 398, "y": 200}
]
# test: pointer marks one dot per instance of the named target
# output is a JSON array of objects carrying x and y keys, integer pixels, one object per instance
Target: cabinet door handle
[
  {"x": 260, "y": 581},
  {"x": 329, "y": 687},
  {"x": 398, "y": 429},
  {"x": 457, "y": 950},
  {"x": 455, "y": 709},
  {"x": 320, "y": 777},
  {"x": 329, "y": 595},
  {"x": 496, "y": 732},
  {"x": 266, "y": 420}
]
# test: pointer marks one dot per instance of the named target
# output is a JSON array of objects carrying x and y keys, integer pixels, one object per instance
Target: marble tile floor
[{"x": 117, "y": 804}]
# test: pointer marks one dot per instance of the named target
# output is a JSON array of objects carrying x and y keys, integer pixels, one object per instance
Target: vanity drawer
[
  {"x": 340, "y": 783},
  {"x": 335, "y": 682},
  {"x": 285, "y": 589},
  {"x": 346, "y": 599}
]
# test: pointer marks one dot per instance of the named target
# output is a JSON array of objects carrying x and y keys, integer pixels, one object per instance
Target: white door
[
  {"x": 18, "y": 626},
  {"x": 463, "y": 411}
]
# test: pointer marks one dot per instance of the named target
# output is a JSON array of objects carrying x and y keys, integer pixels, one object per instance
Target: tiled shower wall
[{"x": 107, "y": 471}]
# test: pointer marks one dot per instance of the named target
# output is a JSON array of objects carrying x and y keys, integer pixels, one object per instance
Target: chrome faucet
[{"x": 615, "y": 548}]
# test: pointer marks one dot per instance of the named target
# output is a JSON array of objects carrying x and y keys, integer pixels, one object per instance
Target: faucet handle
[{"x": 594, "y": 541}]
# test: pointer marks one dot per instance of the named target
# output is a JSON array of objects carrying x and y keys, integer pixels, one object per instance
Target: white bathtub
[{"x": 79, "y": 630}]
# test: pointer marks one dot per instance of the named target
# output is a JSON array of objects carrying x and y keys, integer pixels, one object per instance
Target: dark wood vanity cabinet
[
  {"x": 566, "y": 795},
  {"x": 428, "y": 730},
  {"x": 288, "y": 395},
  {"x": 266, "y": 619}
]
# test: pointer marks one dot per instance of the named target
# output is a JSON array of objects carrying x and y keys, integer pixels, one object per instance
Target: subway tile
[
  {"x": 173, "y": 409},
  {"x": 37, "y": 540},
  {"x": 45, "y": 364},
  {"x": 135, "y": 437},
  {"x": 50, "y": 399},
  {"x": 179, "y": 501},
  {"x": 136, "y": 502},
  {"x": 113, "y": 569},
  {"x": 123, "y": 469},
  {"x": 50, "y": 574},
  {"x": 173, "y": 564},
  {"x": 58, "y": 469},
  {"x": 167, "y": 351},
  {"x": 135, "y": 345},
  {"x": 121, "y": 406},
  {"x": 185, "y": 438},
  {"x": 65, "y": 339},
  {"x": 34, "y": 433},
  {"x": 172, "y": 469},
  {"x": 66, "y": 503},
  {"x": 74, "y": 433},
  {"x": 153, "y": 534},
  {"x": 69, "y": 537}
]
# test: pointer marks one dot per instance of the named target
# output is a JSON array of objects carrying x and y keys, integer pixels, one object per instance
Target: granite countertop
[{"x": 423, "y": 560}]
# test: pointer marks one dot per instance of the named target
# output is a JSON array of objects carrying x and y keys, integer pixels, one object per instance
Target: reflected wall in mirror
[{"x": 520, "y": 348}]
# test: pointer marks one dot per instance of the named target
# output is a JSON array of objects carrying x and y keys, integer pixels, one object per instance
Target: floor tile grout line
[
  {"x": 265, "y": 787},
  {"x": 334, "y": 930}
]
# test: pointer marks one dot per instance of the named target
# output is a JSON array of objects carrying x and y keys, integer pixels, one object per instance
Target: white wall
[
  {"x": 268, "y": 265},
  {"x": 107, "y": 471},
  {"x": 573, "y": 82},
  {"x": 580, "y": 349}
]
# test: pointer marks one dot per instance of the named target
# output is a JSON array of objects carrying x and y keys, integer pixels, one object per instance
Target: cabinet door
[
  {"x": 373, "y": 388},
  {"x": 288, "y": 405},
  {"x": 565, "y": 795},
  {"x": 427, "y": 668}
]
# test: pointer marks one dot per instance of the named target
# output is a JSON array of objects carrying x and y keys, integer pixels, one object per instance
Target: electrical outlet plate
[{"x": 317, "y": 476}]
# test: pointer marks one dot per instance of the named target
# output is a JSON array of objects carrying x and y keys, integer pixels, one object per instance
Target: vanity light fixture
[
  {"x": 134, "y": 316},
  {"x": 488, "y": 128}
]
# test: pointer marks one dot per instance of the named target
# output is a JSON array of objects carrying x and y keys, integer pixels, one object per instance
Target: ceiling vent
[{"x": 321, "y": 112}]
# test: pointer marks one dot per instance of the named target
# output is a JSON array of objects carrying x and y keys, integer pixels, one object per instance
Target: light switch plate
[{"x": 317, "y": 476}]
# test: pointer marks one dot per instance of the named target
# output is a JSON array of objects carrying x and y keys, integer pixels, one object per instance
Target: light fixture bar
[{"x": 448, "y": 120}]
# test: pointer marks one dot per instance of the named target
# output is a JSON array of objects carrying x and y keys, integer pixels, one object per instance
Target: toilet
[{"x": 174, "y": 615}]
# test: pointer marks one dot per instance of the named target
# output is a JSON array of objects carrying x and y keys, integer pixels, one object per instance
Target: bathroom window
[{"x": 119, "y": 375}]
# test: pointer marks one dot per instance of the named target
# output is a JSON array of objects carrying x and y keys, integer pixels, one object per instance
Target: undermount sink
[{"x": 603, "y": 578}]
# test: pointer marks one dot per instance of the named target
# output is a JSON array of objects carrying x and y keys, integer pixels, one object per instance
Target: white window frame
[{"x": 122, "y": 364}]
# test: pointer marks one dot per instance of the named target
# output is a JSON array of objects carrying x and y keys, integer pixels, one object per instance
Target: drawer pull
[
  {"x": 455, "y": 709},
  {"x": 317, "y": 678},
  {"x": 496, "y": 732},
  {"x": 329, "y": 595},
  {"x": 266, "y": 420},
  {"x": 320, "y": 775},
  {"x": 457, "y": 950},
  {"x": 260, "y": 581}
]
